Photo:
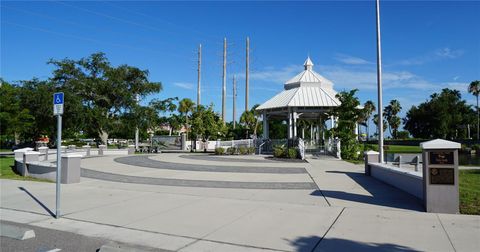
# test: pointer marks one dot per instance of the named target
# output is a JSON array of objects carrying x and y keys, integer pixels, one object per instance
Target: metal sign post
[{"x": 58, "y": 111}]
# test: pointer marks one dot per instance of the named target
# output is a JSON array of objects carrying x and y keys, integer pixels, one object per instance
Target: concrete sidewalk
[{"x": 349, "y": 212}]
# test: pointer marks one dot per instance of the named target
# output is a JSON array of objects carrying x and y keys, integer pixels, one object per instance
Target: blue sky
[{"x": 427, "y": 45}]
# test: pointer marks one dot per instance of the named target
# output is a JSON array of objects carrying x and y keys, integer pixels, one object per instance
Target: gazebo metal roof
[{"x": 308, "y": 89}]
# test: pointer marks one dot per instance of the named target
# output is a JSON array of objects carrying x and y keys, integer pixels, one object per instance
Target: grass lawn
[
  {"x": 5, "y": 150},
  {"x": 469, "y": 191},
  {"x": 399, "y": 148},
  {"x": 6, "y": 170}
]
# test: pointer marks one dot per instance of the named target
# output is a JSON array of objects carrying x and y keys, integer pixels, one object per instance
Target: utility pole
[
  {"x": 137, "y": 131},
  {"x": 234, "y": 101},
  {"x": 224, "y": 89},
  {"x": 199, "y": 73},
  {"x": 379, "y": 86},
  {"x": 247, "y": 69}
]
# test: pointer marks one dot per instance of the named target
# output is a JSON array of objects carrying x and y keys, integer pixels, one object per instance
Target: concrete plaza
[{"x": 196, "y": 202}]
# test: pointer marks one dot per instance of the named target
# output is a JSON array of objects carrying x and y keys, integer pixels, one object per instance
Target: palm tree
[
  {"x": 375, "y": 121},
  {"x": 369, "y": 108},
  {"x": 474, "y": 88},
  {"x": 249, "y": 120},
  {"x": 186, "y": 106}
]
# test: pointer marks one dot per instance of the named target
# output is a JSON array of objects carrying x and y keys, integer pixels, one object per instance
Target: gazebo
[{"x": 307, "y": 96}]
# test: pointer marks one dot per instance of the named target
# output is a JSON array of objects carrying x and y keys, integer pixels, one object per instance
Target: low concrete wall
[
  {"x": 403, "y": 179},
  {"x": 46, "y": 170},
  {"x": 42, "y": 170}
]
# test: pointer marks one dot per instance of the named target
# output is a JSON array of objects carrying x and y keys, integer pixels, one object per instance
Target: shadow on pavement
[
  {"x": 381, "y": 194},
  {"x": 38, "y": 201},
  {"x": 315, "y": 243}
]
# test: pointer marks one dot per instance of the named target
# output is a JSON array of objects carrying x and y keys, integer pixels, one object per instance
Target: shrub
[
  {"x": 251, "y": 150},
  {"x": 278, "y": 152},
  {"x": 219, "y": 151},
  {"x": 242, "y": 150},
  {"x": 292, "y": 153},
  {"x": 476, "y": 147},
  {"x": 232, "y": 151}
]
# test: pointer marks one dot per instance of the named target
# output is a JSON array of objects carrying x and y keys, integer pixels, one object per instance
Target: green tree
[
  {"x": 391, "y": 115},
  {"x": 185, "y": 107},
  {"x": 206, "y": 124},
  {"x": 165, "y": 106},
  {"x": 348, "y": 115},
  {"x": 15, "y": 120},
  {"x": 368, "y": 108},
  {"x": 474, "y": 88},
  {"x": 104, "y": 90},
  {"x": 249, "y": 120},
  {"x": 445, "y": 115},
  {"x": 375, "y": 121}
]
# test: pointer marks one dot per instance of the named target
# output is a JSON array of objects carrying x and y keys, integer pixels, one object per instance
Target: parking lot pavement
[{"x": 55, "y": 240}]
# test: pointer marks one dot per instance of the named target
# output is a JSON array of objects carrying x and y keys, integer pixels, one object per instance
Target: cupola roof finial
[{"x": 308, "y": 64}]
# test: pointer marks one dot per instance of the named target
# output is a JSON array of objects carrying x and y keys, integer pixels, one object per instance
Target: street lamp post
[{"x": 379, "y": 85}]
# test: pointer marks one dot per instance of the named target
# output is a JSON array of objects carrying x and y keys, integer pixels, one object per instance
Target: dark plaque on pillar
[
  {"x": 441, "y": 157},
  {"x": 442, "y": 176}
]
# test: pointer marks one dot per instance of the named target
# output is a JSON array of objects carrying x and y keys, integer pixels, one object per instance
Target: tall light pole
[
  {"x": 199, "y": 74},
  {"x": 247, "y": 71},
  {"x": 137, "y": 131},
  {"x": 224, "y": 80},
  {"x": 379, "y": 86},
  {"x": 234, "y": 102}
]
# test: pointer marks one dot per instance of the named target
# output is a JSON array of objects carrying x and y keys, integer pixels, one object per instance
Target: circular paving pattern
[
  {"x": 226, "y": 159},
  {"x": 197, "y": 183},
  {"x": 144, "y": 161}
]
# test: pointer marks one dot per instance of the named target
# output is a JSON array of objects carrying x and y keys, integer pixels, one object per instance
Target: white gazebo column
[
  {"x": 290, "y": 122},
  {"x": 332, "y": 122},
  {"x": 356, "y": 130},
  {"x": 312, "y": 137},
  {"x": 294, "y": 124},
  {"x": 265, "y": 126}
]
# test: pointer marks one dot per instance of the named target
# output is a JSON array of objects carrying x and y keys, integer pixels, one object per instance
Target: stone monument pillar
[
  {"x": 70, "y": 168},
  {"x": 101, "y": 149},
  {"x": 87, "y": 149},
  {"x": 43, "y": 151},
  {"x": 370, "y": 157},
  {"x": 440, "y": 176},
  {"x": 131, "y": 149}
]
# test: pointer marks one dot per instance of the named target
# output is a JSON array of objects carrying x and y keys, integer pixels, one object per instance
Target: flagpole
[{"x": 379, "y": 85}]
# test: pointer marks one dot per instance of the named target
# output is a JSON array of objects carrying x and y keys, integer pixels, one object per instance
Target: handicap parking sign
[{"x": 58, "y": 103}]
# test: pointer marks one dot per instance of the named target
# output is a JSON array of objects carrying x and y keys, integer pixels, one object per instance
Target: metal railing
[{"x": 235, "y": 143}]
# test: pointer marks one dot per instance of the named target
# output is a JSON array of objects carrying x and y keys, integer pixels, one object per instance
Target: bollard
[
  {"x": 87, "y": 149},
  {"x": 70, "y": 168},
  {"x": 101, "y": 149},
  {"x": 29, "y": 156},
  {"x": 64, "y": 149},
  {"x": 370, "y": 157},
  {"x": 44, "y": 151},
  {"x": 131, "y": 149},
  {"x": 416, "y": 161}
]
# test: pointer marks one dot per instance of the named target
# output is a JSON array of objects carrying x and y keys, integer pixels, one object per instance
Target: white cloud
[
  {"x": 439, "y": 54},
  {"x": 184, "y": 85},
  {"x": 351, "y": 60},
  {"x": 448, "y": 53},
  {"x": 460, "y": 86},
  {"x": 349, "y": 78},
  {"x": 271, "y": 74},
  {"x": 363, "y": 77}
]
